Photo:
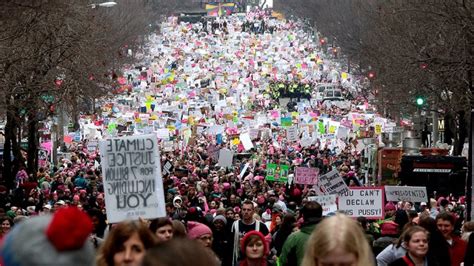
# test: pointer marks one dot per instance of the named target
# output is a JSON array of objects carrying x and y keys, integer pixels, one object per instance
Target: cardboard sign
[
  {"x": 225, "y": 158},
  {"x": 367, "y": 202},
  {"x": 246, "y": 141},
  {"x": 277, "y": 172},
  {"x": 292, "y": 133},
  {"x": 306, "y": 175},
  {"x": 133, "y": 184},
  {"x": 328, "y": 203},
  {"x": 332, "y": 183},
  {"x": 286, "y": 122},
  {"x": 412, "y": 194}
]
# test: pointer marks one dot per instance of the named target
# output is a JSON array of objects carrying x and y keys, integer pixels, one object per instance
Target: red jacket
[{"x": 457, "y": 251}]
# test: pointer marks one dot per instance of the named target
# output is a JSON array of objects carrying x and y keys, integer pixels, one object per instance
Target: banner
[
  {"x": 328, "y": 203},
  {"x": 133, "y": 185},
  {"x": 332, "y": 183},
  {"x": 306, "y": 175},
  {"x": 277, "y": 172},
  {"x": 412, "y": 194},
  {"x": 367, "y": 202}
]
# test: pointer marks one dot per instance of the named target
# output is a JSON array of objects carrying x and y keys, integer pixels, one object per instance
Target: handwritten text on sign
[
  {"x": 399, "y": 193},
  {"x": 306, "y": 175},
  {"x": 132, "y": 178},
  {"x": 332, "y": 183},
  {"x": 328, "y": 203},
  {"x": 367, "y": 202}
]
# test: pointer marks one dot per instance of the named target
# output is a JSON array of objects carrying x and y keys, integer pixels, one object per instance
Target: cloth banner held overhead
[{"x": 133, "y": 183}]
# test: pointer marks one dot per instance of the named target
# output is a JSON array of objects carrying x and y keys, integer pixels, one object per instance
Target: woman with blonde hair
[{"x": 338, "y": 240}]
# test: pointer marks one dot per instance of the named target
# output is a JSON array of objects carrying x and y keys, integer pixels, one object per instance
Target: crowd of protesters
[{"x": 227, "y": 216}]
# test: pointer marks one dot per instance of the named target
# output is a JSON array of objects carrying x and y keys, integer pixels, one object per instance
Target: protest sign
[
  {"x": 133, "y": 184},
  {"x": 292, "y": 133},
  {"x": 332, "y": 183},
  {"x": 412, "y": 194},
  {"x": 167, "y": 168},
  {"x": 277, "y": 172},
  {"x": 367, "y": 202},
  {"x": 225, "y": 158},
  {"x": 246, "y": 166},
  {"x": 328, "y": 203},
  {"x": 286, "y": 122},
  {"x": 246, "y": 141},
  {"x": 306, "y": 175},
  {"x": 92, "y": 146}
]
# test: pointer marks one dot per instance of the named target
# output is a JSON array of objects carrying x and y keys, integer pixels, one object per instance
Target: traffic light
[
  {"x": 371, "y": 75},
  {"x": 420, "y": 101}
]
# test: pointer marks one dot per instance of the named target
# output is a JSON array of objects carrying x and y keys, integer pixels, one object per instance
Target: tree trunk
[
  {"x": 11, "y": 164},
  {"x": 32, "y": 143}
]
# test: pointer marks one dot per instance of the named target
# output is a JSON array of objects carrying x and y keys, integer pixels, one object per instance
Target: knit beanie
[
  {"x": 59, "y": 239},
  {"x": 245, "y": 240},
  {"x": 220, "y": 218},
  {"x": 196, "y": 230}
]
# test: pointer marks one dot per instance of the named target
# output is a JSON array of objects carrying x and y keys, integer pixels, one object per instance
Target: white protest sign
[
  {"x": 367, "y": 202},
  {"x": 306, "y": 175},
  {"x": 246, "y": 166},
  {"x": 412, "y": 194},
  {"x": 328, "y": 203},
  {"x": 306, "y": 142},
  {"x": 167, "y": 167},
  {"x": 246, "y": 141},
  {"x": 225, "y": 158},
  {"x": 292, "y": 133},
  {"x": 92, "y": 146},
  {"x": 163, "y": 133},
  {"x": 254, "y": 133},
  {"x": 332, "y": 183},
  {"x": 133, "y": 184}
]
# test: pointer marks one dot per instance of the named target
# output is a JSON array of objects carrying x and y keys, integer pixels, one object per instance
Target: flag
[{"x": 220, "y": 9}]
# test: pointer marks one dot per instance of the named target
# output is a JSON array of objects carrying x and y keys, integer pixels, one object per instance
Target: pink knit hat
[{"x": 196, "y": 230}]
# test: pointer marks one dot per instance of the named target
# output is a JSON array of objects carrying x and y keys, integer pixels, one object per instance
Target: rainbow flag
[{"x": 220, "y": 9}]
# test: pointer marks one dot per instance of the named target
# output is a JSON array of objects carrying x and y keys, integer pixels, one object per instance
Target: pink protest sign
[{"x": 306, "y": 175}]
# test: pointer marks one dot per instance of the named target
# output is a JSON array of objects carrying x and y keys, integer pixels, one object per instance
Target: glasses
[{"x": 206, "y": 238}]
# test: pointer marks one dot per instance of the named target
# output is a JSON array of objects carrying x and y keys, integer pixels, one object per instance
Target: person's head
[
  {"x": 162, "y": 228},
  {"x": 179, "y": 230},
  {"x": 390, "y": 209},
  {"x": 254, "y": 246},
  {"x": 229, "y": 213},
  {"x": 416, "y": 241},
  {"x": 338, "y": 240},
  {"x": 445, "y": 223},
  {"x": 248, "y": 210},
  {"x": 7, "y": 224},
  {"x": 126, "y": 244},
  {"x": 200, "y": 232},
  {"x": 98, "y": 220},
  {"x": 311, "y": 211},
  {"x": 180, "y": 251},
  {"x": 363, "y": 222},
  {"x": 219, "y": 222}
]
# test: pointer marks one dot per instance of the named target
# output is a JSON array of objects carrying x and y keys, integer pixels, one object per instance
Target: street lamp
[{"x": 104, "y": 4}]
